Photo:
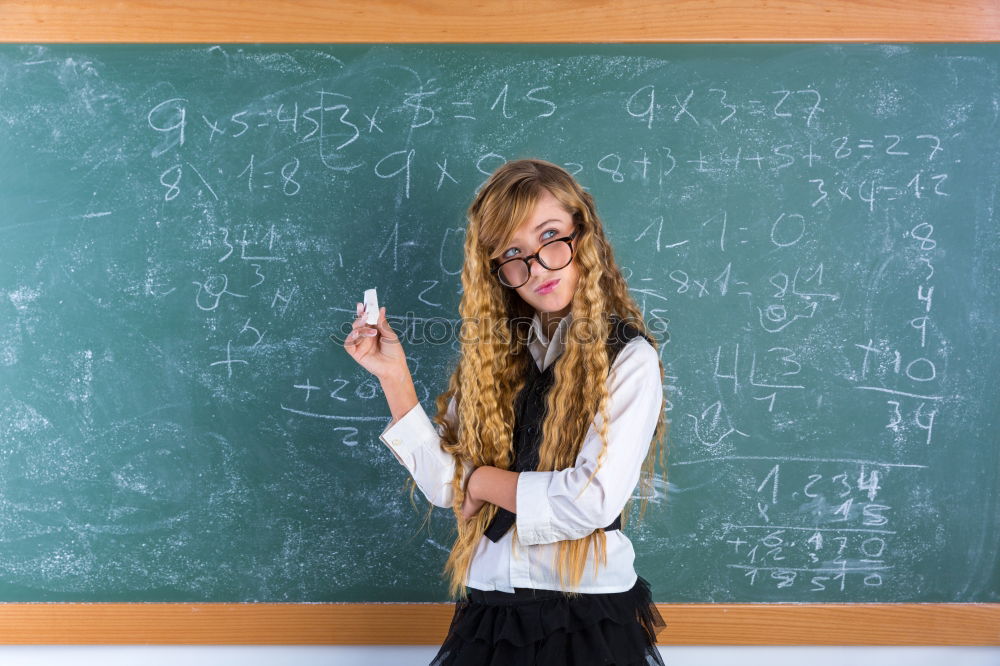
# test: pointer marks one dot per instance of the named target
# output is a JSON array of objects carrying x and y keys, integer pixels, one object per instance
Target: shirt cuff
[
  {"x": 534, "y": 517},
  {"x": 405, "y": 437}
]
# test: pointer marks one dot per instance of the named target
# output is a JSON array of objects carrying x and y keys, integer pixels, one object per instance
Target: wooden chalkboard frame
[{"x": 442, "y": 21}]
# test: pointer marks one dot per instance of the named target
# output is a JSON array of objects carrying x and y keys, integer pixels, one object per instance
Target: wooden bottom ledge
[{"x": 426, "y": 624}]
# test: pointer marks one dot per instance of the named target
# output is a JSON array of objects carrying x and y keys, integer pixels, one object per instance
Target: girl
[{"x": 541, "y": 435}]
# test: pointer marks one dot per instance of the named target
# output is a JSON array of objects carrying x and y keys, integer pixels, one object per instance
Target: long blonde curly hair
[{"x": 493, "y": 361}]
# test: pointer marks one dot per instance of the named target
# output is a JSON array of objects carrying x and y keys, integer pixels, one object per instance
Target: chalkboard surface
[{"x": 183, "y": 227}]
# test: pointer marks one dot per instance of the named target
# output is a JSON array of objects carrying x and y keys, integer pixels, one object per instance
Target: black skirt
[{"x": 547, "y": 628}]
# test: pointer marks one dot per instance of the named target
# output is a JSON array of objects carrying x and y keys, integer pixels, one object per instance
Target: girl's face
[{"x": 547, "y": 222}]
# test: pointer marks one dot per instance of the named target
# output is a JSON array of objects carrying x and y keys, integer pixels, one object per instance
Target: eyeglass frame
[{"x": 527, "y": 260}]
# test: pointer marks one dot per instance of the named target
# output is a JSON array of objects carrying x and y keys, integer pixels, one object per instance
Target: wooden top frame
[
  {"x": 446, "y": 21},
  {"x": 540, "y": 21}
]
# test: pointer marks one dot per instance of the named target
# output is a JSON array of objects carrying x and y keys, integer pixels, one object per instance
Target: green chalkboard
[{"x": 183, "y": 227}]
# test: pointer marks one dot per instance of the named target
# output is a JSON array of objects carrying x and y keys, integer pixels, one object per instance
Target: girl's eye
[{"x": 508, "y": 255}]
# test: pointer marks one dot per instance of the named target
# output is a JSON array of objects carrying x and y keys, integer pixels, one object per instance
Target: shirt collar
[{"x": 538, "y": 333}]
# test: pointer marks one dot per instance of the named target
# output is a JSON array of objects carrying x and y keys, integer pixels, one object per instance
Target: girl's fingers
[
  {"x": 357, "y": 339},
  {"x": 359, "y": 320},
  {"x": 363, "y": 329},
  {"x": 362, "y": 332},
  {"x": 360, "y": 328},
  {"x": 383, "y": 324},
  {"x": 366, "y": 329}
]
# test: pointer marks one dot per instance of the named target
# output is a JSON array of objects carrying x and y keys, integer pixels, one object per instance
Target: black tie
[{"x": 527, "y": 440}]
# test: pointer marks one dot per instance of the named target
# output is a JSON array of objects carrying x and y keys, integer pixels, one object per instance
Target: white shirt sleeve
[
  {"x": 416, "y": 443},
  {"x": 548, "y": 507}
]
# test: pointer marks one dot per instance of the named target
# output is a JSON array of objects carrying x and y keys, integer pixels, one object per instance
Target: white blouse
[{"x": 548, "y": 507}]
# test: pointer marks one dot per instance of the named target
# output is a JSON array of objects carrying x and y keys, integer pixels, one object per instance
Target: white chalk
[{"x": 371, "y": 307}]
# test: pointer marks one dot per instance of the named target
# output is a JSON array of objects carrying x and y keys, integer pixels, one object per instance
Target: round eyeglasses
[{"x": 553, "y": 255}]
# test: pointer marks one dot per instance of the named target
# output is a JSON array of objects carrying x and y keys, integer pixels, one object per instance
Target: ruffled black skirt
[{"x": 532, "y": 627}]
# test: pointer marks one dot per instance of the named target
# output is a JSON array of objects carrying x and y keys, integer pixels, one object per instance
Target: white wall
[{"x": 44, "y": 655}]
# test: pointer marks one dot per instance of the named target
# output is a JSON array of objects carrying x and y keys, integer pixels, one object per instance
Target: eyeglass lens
[{"x": 553, "y": 256}]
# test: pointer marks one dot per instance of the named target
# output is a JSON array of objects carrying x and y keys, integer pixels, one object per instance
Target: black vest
[{"x": 528, "y": 408}]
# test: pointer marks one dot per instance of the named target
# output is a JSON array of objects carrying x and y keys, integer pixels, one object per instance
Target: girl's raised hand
[{"x": 376, "y": 348}]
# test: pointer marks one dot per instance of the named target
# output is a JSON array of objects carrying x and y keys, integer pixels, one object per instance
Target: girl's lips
[{"x": 547, "y": 286}]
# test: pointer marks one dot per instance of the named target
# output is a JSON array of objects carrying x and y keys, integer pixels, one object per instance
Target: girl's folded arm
[{"x": 559, "y": 505}]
